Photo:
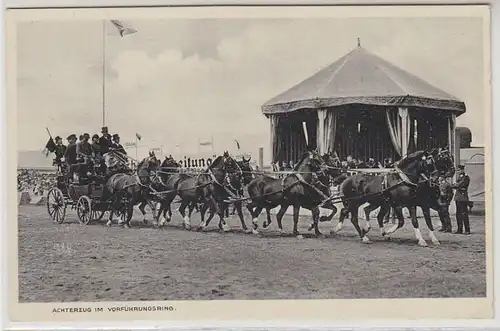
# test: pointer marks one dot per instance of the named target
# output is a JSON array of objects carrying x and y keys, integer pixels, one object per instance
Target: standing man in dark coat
[
  {"x": 444, "y": 200},
  {"x": 462, "y": 200},
  {"x": 105, "y": 140}
]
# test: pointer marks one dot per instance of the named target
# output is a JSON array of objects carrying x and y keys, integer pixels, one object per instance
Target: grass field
[{"x": 70, "y": 262}]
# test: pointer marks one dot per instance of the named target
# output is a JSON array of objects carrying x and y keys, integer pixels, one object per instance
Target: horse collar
[{"x": 404, "y": 177}]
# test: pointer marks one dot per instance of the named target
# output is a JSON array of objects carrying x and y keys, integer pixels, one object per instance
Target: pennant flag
[
  {"x": 122, "y": 29},
  {"x": 237, "y": 143},
  {"x": 139, "y": 137},
  {"x": 50, "y": 147},
  {"x": 206, "y": 143}
]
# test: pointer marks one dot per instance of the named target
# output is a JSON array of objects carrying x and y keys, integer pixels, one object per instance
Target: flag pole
[
  {"x": 48, "y": 132},
  {"x": 103, "y": 72}
]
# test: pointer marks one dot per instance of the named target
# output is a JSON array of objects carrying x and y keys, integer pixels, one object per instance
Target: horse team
[{"x": 414, "y": 182}]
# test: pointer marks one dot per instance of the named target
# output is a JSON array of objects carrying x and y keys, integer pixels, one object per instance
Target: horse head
[
  {"x": 444, "y": 161},
  {"x": 419, "y": 164},
  {"x": 247, "y": 170}
]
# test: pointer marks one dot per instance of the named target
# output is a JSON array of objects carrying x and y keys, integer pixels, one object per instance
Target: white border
[{"x": 161, "y": 324}]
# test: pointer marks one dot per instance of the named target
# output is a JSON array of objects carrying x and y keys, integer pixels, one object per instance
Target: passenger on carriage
[
  {"x": 105, "y": 140},
  {"x": 60, "y": 150},
  {"x": 84, "y": 156},
  {"x": 99, "y": 165},
  {"x": 116, "y": 146},
  {"x": 70, "y": 154}
]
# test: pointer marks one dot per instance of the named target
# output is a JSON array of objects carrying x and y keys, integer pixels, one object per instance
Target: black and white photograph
[{"x": 298, "y": 154}]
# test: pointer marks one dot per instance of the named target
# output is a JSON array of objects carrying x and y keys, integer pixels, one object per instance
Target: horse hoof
[
  {"x": 265, "y": 225},
  {"x": 108, "y": 224},
  {"x": 126, "y": 226},
  {"x": 299, "y": 236},
  {"x": 187, "y": 227},
  {"x": 310, "y": 227},
  {"x": 436, "y": 243},
  {"x": 255, "y": 232},
  {"x": 422, "y": 243},
  {"x": 247, "y": 231},
  {"x": 366, "y": 240}
]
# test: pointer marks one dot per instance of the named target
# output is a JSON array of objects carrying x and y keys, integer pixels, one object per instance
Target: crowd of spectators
[
  {"x": 348, "y": 163},
  {"x": 35, "y": 182}
]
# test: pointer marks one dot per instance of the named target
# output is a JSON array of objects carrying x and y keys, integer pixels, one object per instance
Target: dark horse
[
  {"x": 429, "y": 195},
  {"x": 206, "y": 188},
  {"x": 235, "y": 183},
  {"x": 165, "y": 184},
  {"x": 397, "y": 189},
  {"x": 296, "y": 189},
  {"x": 130, "y": 189}
]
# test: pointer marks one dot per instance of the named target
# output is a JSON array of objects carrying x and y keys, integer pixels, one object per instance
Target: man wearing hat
[
  {"x": 83, "y": 148},
  {"x": 105, "y": 140},
  {"x": 462, "y": 200},
  {"x": 96, "y": 153},
  {"x": 59, "y": 151},
  {"x": 116, "y": 146},
  {"x": 70, "y": 154}
]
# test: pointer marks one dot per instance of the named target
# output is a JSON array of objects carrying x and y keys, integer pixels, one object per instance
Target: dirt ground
[{"x": 70, "y": 262}]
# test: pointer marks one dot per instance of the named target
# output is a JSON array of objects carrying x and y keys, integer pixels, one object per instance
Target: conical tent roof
[{"x": 361, "y": 77}]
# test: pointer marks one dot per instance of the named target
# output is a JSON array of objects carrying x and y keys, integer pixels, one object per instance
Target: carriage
[{"x": 86, "y": 196}]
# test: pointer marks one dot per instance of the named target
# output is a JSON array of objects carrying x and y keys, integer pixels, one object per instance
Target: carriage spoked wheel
[
  {"x": 56, "y": 205},
  {"x": 84, "y": 210}
]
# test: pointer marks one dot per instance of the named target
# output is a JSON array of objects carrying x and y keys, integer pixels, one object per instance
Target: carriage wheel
[
  {"x": 84, "y": 210},
  {"x": 97, "y": 215},
  {"x": 56, "y": 205}
]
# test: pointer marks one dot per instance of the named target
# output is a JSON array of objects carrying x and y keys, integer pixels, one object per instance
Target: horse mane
[
  {"x": 215, "y": 162},
  {"x": 410, "y": 158},
  {"x": 141, "y": 164},
  {"x": 301, "y": 161}
]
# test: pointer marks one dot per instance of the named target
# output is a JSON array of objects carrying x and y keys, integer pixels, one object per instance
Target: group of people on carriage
[{"x": 85, "y": 157}]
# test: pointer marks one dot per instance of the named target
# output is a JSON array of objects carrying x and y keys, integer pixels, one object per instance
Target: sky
[{"x": 180, "y": 81}]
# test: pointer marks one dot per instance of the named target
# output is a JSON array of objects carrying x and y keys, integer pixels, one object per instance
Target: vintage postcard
[{"x": 297, "y": 164}]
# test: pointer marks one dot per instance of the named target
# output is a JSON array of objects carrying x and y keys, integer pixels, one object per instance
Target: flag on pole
[
  {"x": 139, "y": 137},
  {"x": 50, "y": 147},
  {"x": 237, "y": 143},
  {"x": 122, "y": 29}
]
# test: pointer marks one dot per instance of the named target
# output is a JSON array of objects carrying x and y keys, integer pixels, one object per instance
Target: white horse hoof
[
  {"x": 281, "y": 231},
  {"x": 108, "y": 223},
  {"x": 310, "y": 227},
  {"x": 366, "y": 240},
  {"x": 126, "y": 226},
  {"x": 255, "y": 231},
  {"x": 300, "y": 236},
  {"x": 436, "y": 242},
  {"x": 422, "y": 243},
  {"x": 247, "y": 231}
]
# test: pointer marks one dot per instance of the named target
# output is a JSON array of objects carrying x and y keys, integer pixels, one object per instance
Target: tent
[{"x": 364, "y": 106}]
